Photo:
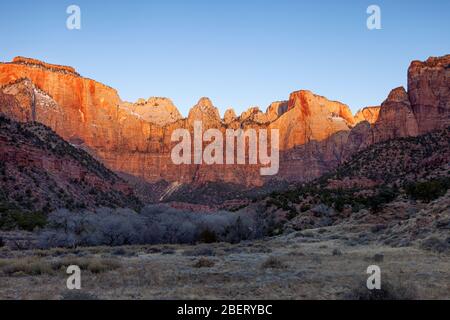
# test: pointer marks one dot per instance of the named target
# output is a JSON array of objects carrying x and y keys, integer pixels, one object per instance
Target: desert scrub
[
  {"x": 94, "y": 265},
  {"x": 389, "y": 291},
  {"x": 26, "y": 266},
  {"x": 273, "y": 263},
  {"x": 429, "y": 190},
  {"x": 204, "y": 263},
  {"x": 38, "y": 266}
]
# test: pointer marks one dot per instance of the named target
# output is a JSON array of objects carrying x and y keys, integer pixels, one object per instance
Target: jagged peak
[
  {"x": 205, "y": 102},
  {"x": 204, "y": 107},
  {"x": 230, "y": 115},
  {"x": 398, "y": 94}
]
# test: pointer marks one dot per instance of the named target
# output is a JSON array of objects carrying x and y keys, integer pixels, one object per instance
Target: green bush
[
  {"x": 208, "y": 236},
  {"x": 15, "y": 219},
  {"x": 428, "y": 190}
]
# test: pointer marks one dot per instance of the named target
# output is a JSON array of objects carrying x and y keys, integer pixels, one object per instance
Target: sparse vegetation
[
  {"x": 153, "y": 225},
  {"x": 12, "y": 218},
  {"x": 273, "y": 263},
  {"x": 204, "y": 263},
  {"x": 389, "y": 291},
  {"x": 428, "y": 190},
  {"x": 33, "y": 266}
]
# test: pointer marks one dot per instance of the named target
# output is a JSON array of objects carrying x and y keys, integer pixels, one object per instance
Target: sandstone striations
[{"x": 316, "y": 134}]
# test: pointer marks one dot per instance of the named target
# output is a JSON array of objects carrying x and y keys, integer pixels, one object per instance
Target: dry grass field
[{"x": 299, "y": 265}]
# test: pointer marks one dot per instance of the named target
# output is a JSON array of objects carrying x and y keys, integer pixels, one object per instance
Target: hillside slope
[{"x": 40, "y": 172}]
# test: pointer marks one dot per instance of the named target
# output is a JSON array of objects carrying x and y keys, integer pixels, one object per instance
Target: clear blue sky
[{"x": 238, "y": 53}]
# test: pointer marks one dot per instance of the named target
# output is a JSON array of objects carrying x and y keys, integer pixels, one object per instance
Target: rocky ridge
[{"x": 316, "y": 134}]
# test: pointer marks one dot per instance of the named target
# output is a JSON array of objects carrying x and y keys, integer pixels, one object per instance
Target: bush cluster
[{"x": 155, "y": 224}]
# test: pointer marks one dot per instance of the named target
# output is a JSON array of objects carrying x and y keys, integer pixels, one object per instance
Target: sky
[{"x": 239, "y": 53}]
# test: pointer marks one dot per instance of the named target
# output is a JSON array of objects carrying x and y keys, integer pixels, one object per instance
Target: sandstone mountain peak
[
  {"x": 205, "y": 102},
  {"x": 229, "y": 116},
  {"x": 204, "y": 111},
  {"x": 396, "y": 117},
  {"x": 157, "y": 110},
  {"x": 398, "y": 95}
]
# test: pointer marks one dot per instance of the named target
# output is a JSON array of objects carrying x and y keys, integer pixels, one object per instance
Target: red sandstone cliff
[{"x": 135, "y": 138}]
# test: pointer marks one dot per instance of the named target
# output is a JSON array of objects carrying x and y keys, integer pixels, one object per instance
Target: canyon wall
[{"x": 316, "y": 134}]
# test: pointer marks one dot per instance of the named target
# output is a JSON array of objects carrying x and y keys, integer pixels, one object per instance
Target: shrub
[
  {"x": 204, "y": 263},
  {"x": 429, "y": 190},
  {"x": 207, "y": 236},
  {"x": 15, "y": 219},
  {"x": 388, "y": 291},
  {"x": 26, "y": 266},
  {"x": 94, "y": 265},
  {"x": 273, "y": 263}
]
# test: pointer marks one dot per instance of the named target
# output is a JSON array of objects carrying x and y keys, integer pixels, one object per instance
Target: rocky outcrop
[
  {"x": 276, "y": 109},
  {"x": 160, "y": 111},
  {"x": 429, "y": 92},
  {"x": 396, "y": 118},
  {"x": 255, "y": 115},
  {"x": 369, "y": 114},
  {"x": 229, "y": 116},
  {"x": 28, "y": 103},
  {"x": 311, "y": 118},
  {"x": 205, "y": 112}
]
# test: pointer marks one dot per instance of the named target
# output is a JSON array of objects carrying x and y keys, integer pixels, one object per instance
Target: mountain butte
[{"x": 316, "y": 134}]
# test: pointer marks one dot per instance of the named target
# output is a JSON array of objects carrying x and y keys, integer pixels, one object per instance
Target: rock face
[
  {"x": 311, "y": 118},
  {"x": 160, "y": 111},
  {"x": 135, "y": 138},
  {"x": 429, "y": 92},
  {"x": 396, "y": 118},
  {"x": 369, "y": 114},
  {"x": 229, "y": 116},
  {"x": 276, "y": 109}
]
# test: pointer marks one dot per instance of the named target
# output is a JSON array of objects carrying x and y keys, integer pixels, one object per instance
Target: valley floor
[{"x": 313, "y": 264}]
